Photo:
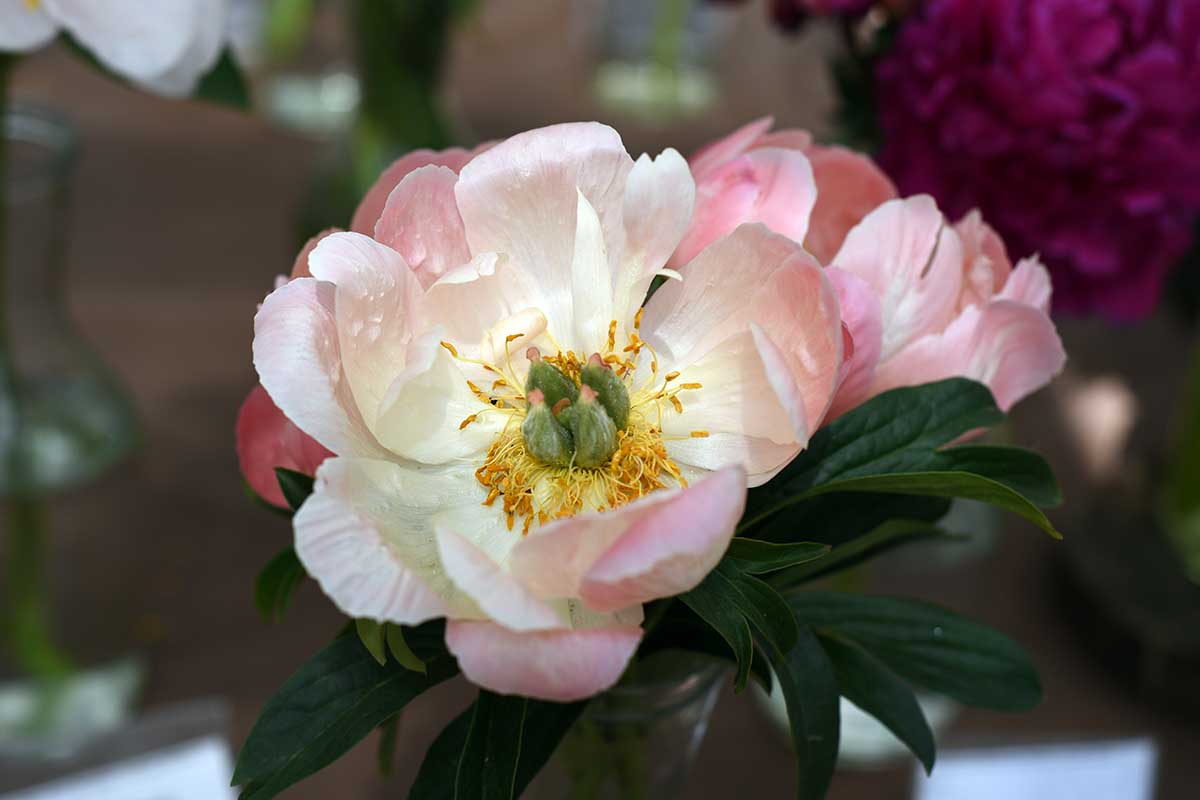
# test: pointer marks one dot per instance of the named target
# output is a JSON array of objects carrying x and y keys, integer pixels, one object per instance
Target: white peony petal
[
  {"x": 23, "y": 28},
  {"x": 366, "y": 535},
  {"x": 591, "y": 285}
]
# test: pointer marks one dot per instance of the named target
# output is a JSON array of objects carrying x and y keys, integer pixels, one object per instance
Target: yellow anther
[
  {"x": 450, "y": 347},
  {"x": 498, "y": 383},
  {"x": 512, "y": 337},
  {"x": 612, "y": 335},
  {"x": 637, "y": 319},
  {"x": 467, "y": 421},
  {"x": 475, "y": 388},
  {"x": 671, "y": 376},
  {"x": 699, "y": 434},
  {"x": 678, "y": 405},
  {"x": 691, "y": 386}
]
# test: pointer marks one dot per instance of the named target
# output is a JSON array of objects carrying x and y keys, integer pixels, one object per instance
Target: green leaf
[
  {"x": 385, "y": 756},
  {"x": 928, "y": 646},
  {"x": 494, "y": 749},
  {"x": 401, "y": 651},
  {"x": 296, "y": 486},
  {"x": 836, "y": 519},
  {"x": 810, "y": 691},
  {"x": 710, "y": 604},
  {"x": 885, "y": 537},
  {"x": 224, "y": 84},
  {"x": 732, "y": 603},
  {"x": 275, "y": 584},
  {"x": 681, "y": 629},
  {"x": 373, "y": 634},
  {"x": 287, "y": 26},
  {"x": 905, "y": 432},
  {"x": 757, "y": 557},
  {"x": 874, "y": 688},
  {"x": 333, "y": 701},
  {"x": 946, "y": 484}
]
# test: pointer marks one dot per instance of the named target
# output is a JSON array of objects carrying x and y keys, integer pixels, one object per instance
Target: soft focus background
[{"x": 183, "y": 214}]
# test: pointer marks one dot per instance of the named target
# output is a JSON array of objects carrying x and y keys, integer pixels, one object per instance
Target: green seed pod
[
  {"x": 610, "y": 390},
  {"x": 545, "y": 439},
  {"x": 593, "y": 430},
  {"x": 549, "y": 380}
]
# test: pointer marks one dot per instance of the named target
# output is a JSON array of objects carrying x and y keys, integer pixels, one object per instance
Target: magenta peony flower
[{"x": 1072, "y": 125}]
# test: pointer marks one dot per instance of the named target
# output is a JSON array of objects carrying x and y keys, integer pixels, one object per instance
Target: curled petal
[
  {"x": 1013, "y": 348},
  {"x": 772, "y": 186},
  {"x": 493, "y": 589},
  {"x": 371, "y": 207},
  {"x": 913, "y": 261},
  {"x": 366, "y": 536},
  {"x": 1029, "y": 284},
  {"x": 712, "y": 156},
  {"x": 521, "y": 198},
  {"x": 561, "y": 666},
  {"x": 299, "y": 363},
  {"x": 421, "y": 222},
  {"x": 300, "y": 265},
  {"x": 660, "y": 545},
  {"x": 862, "y": 317},
  {"x": 849, "y": 186},
  {"x": 267, "y": 439}
]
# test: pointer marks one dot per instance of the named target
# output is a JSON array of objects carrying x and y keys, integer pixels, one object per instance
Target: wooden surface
[{"x": 183, "y": 215}]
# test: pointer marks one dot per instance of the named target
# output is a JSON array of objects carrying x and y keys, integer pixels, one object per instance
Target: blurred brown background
[{"x": 182, "y": 216}]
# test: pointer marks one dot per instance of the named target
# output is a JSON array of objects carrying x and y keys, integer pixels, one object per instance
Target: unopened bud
[
  {"x": 593, "y": 430},
  {"x": 548, "y": 379},
  {"x": 545, "y": 439},
  {"x": 610, "y": 390}
]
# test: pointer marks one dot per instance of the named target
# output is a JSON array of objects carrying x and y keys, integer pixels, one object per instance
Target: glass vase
[
  {"x": 638, "y": 740},
  {"x": 64, "y": 420}
]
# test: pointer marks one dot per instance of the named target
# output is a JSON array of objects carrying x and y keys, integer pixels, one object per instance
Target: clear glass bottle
[
  {"x": 64, "y": 420},
  {"x": 638, "y": 740}
]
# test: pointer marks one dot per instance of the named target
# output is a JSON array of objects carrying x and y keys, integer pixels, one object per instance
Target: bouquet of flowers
[{"x": 547, "y": 411}]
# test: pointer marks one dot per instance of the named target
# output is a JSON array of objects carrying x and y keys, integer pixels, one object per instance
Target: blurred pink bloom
[
  {"x": 406, "y": 355},
  {"x": 920, "y": 300},
  {"x": 266, "y": 439}
]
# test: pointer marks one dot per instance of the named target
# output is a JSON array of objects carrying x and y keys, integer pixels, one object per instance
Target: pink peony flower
[
  {"x": 408, "y": 353},
  {"x": 266, "y": 439},
  {"x": 920, "y": 300}
]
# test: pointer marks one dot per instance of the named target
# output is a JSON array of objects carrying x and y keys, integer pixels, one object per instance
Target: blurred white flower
[{"x": 164, "y": 46}]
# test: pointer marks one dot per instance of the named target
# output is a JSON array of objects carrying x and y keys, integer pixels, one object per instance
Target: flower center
[{"x": 583, "y": 437}]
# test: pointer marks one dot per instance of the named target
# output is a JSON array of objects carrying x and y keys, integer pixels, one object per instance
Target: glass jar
[
  {"x": 638, "y": 740},
  {"x": 64, "y": 420}
]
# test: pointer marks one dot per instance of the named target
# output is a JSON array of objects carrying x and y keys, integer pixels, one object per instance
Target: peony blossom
[
  {"x": 164, "y": 46},
  {"x": 921, "y": 299},
  {"x": 519, "y": 445},
  {"x": 1071, "y": 124}
]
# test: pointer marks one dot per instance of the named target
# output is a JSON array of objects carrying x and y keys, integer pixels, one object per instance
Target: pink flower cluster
[{"x": 799, "y": 286}]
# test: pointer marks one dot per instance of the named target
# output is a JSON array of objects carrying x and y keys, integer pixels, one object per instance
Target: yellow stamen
[
  {"x": 450, "y": 347},
  {"x": 699, "y": 434}
]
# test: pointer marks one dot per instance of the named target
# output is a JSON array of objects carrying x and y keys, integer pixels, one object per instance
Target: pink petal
[
  {"x": 752, "y": 276},
  {"x": 299, "y": 363},
  {"x": 557, "y": 560},
  {"x": 377, "y": 301},
  {"x": 266, "y": 439},
  {"x": 1029, "y": 284},
  {"x": 849, "y": 186},
  {"x": 863, "y": 320},
  {"x": 421, "y": 222},
  {"x": 771, "y": 186},
  {"x": 520, "y": 199},
  {"x": 495, "y": 590},
  {"x": 300, "y": 265},
  {"x": 715, "y": 154},
  {"x": 1013, "y": 348},
  {"x": 561, "y": 666},
  {"x": 986, "y": 267},
  {"x": 659, "y": 197},
  {"x": 790, "y": 139},
  {"x": 671, "y": 549},
  {"x": 913, "y": 261},
  {"x": 373, "y": 202}
]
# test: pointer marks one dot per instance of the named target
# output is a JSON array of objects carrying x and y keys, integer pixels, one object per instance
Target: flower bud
[
  {"x": 545, "y": 439},
  {"x": 548, "y": 379},
  {"x": 610, "y": 390},
  {"x": 593, "y": 430}
]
